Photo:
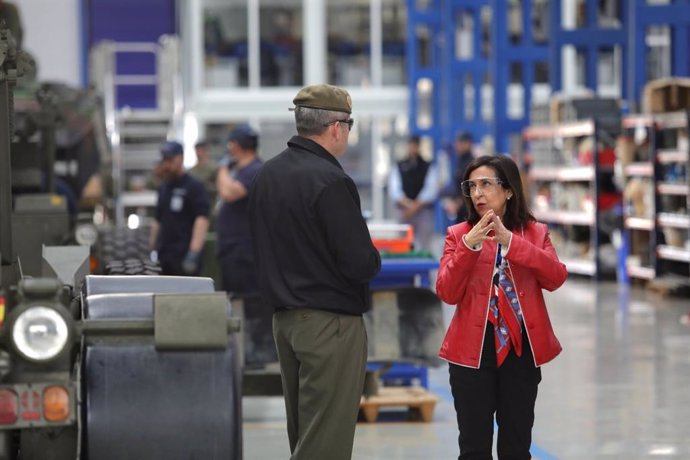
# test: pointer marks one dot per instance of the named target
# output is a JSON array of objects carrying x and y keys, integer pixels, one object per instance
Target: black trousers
[
  {"x": 509, "y": 391},
  {"x": 237, "y": 270}
]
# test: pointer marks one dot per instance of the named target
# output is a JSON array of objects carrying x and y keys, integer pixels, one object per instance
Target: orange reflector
[
  {"x": 2, "y": 310},
  {"x": 55, "y": 404},
  {"x": 8, "y": 407},
  {"x": 93, "y": 264}
]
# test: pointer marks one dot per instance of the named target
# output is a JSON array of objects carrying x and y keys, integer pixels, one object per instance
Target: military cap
[
  {"x": 324, "y": 97},
  {"x": 244, "y": 135},
  {"x": 170, "y": 149}
]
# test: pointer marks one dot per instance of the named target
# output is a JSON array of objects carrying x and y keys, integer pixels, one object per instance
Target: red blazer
[{"x": 464, "y": 280}]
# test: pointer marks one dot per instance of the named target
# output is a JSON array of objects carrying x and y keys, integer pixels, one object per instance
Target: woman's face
[{"x": 487, "y": 192}]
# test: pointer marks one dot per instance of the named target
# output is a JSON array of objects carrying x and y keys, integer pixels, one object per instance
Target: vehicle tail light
[
  {"x": 56, "y": 405},
  {"x": 2, "y": 310},
  {"x": 8, "y": 407},
  {"x": 93, "y": 264}
]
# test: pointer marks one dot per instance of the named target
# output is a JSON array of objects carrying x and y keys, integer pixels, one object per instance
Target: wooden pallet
[{"x": 414, "y": 399}]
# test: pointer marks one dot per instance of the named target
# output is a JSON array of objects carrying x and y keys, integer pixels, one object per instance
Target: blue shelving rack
[
  {"x": 475, "y": 67},
  {"x": 590, "y": 39},
  {"x": 675, "y": 14},
  {"x": 424, "y": 63},
  {"x": 527, "y": 53}
]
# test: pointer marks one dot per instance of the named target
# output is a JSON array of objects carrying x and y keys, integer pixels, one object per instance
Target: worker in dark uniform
[
  {"x": 235, "y": 175},
  {"x": 453, "y": 202},
  {"x": 314, "y": 260},
  {"x": 179, "y": 232},
  {"x": 413, "y": 188}
]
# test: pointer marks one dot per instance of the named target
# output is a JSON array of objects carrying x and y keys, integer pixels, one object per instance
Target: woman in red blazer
[{"x": 494, "y": 267}]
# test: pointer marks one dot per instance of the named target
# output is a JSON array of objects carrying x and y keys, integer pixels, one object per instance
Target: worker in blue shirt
[
  {"x": 234, "y": 246},
  {"x": 181, "y": 217}
]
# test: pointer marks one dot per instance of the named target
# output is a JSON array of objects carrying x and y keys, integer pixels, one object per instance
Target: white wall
[{"x": 52, "y": 36}]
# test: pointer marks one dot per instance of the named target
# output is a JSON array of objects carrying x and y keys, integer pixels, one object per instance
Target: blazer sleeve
[
  {"x": 455, "y": 268},
  {"x": 540, "y": 258}
]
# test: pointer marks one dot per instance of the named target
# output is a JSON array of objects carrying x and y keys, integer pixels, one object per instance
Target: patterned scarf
[{"x": 505, "y": 314}]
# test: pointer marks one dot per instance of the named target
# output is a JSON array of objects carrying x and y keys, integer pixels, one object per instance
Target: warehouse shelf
[
  {"x": 665, "y": 188},
  {"x": 673, "y": 253},
  {"x": 580, "y": 266},
  {"x": 639, "y": 223},
  {"x": 638, "y": 271},
  {"x": 639, "y": 169},
  {"x": 565, "y": 217},
  {"x": 667, "y": 219},
  {"x": 660, "y": 238},
  {"x": 565, "y": 189},
  {"x": 582, "y": 173}
]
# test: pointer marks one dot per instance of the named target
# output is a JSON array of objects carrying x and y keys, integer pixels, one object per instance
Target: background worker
[
  {"x": 453, "y": 202},
  {"x": 412, "y": 186},
  {"x": 234, "y": 245},
  {"x": 181, "y": 216},
  {"x": 314, "y": 260},
  {"x": 205, "y": 170}
]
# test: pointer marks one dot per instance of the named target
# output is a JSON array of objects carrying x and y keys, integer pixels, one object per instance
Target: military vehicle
[{"x": 105, "y": 367}]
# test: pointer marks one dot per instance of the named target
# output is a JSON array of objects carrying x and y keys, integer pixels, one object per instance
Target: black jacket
[{"x": 311, "y": 244}]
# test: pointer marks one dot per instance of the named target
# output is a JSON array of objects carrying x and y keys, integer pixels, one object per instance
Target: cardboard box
[{"x": 666, "y": 95}]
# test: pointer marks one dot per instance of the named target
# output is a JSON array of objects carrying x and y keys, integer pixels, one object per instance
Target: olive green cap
[{"x": 324, "y": 97}]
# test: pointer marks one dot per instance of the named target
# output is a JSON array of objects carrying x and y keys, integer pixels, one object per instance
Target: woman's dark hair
[{"x": 517, "y": 213}]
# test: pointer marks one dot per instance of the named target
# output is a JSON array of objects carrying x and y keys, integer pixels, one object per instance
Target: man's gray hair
[{"x": 313, "y": 122}]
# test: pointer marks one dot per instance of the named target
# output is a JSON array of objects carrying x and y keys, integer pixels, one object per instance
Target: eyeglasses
[
  {"x": 486, "y": 185},
  {"x": 349, "y": 121}
]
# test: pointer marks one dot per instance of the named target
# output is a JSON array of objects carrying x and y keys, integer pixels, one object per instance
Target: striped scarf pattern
[{"x": 504, "y": 312}]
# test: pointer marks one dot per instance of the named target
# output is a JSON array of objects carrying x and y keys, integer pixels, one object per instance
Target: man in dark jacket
[{"x": 314, "y": 260}]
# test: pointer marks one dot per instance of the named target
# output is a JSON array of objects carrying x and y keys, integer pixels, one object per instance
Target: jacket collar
[{"x": 312, "y": 147}]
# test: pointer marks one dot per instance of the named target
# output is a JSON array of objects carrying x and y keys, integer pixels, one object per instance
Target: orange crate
[{"x": 394, "y": 238}]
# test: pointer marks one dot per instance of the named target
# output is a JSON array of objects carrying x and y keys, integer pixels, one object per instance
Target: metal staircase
[{"x": 135, "y": 134}]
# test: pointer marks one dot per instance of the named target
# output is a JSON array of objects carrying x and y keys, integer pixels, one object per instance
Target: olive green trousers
[{"x": 323, "y": 358}]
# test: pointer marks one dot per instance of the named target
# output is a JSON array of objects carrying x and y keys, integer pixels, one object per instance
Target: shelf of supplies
[
  {"x": 662, "y": 120},
  {"x": 580, "y": 266},
  {"x": 639, "y": 169},
  {"x": 136, "y": 199},
  {"x": 667, "y": 219},
  {"x": 671, "y": 156},
  {"x": 565, "y": 217},
  {"x": 673, "y": 253},
  {"x": 639, "y": 223},
  {"x": 574, "y": 129},
  {"x": 637, "y": 271},
  {"x": 666, "y": 188},
  {"x": 573, "y": 174}
]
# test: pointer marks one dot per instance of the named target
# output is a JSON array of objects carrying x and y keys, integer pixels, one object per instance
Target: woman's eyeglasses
[
  {"x": 486, "y": 185},
  {"x": 349, "y": 122}
]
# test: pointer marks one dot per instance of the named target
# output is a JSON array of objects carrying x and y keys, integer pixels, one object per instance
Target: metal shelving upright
[
  {"x": 558, "y": 165},
  {"x": 590, "y": 39},
  {"x": 642, "y": 15},
  {"x": 526, "y": 54},
  {"x": 660, "y": 167},
  {"x": 424, "y": 67}
]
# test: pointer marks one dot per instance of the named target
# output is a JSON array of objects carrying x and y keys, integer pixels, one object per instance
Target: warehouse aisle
[{"x": 619, "y": 390}]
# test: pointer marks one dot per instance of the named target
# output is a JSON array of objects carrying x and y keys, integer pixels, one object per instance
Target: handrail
[{"x": 167, "y": 79}]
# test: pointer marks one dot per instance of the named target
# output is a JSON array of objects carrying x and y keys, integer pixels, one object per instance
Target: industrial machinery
[{"x": 89, "y": 365}]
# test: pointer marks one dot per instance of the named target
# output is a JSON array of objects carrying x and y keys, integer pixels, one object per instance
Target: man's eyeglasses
[
  {"x": 486, "y": 185},
  {"x": 349, "y": 122}
]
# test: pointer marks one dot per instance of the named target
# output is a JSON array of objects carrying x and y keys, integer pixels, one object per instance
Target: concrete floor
[{"x": 619, "y": 390}]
